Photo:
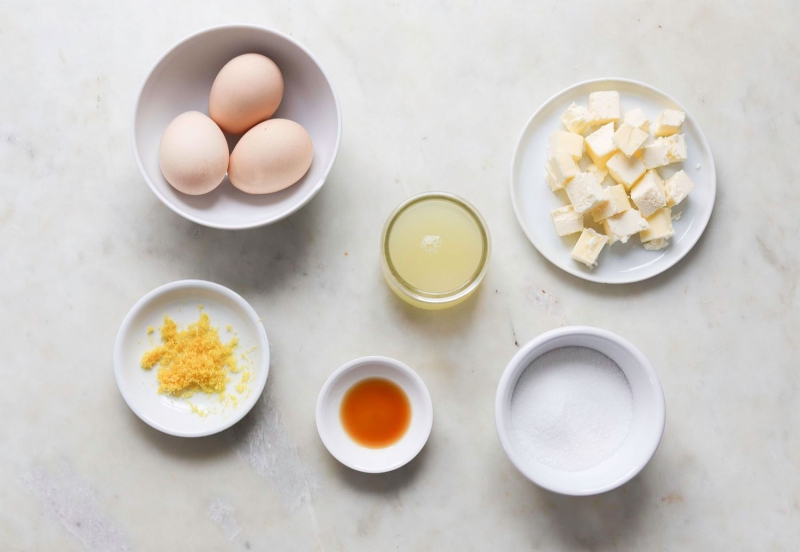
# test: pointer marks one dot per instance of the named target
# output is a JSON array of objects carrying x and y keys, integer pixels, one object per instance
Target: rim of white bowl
[
  {"x": 273, "y": 220},
  {"x": 509, "y": 379},
  {"x": 391, "y": 363},
  {"x": 590, "y": 277},
  {"x": 263, "y": 344}
]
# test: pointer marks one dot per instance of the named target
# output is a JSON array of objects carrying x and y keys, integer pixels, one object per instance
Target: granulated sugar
[{"x": 571, "y": 409}]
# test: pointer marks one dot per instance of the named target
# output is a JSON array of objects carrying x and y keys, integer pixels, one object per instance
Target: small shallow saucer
[{"x": 349, "y": 452}]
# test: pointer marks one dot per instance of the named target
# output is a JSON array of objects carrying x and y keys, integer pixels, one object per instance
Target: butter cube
[
  {"x": 588, "y": 247},
  {"x": 638, "y": 119},
  {"x": 664, "y": 151},
  {"x": 625, "y": 170},
  {"x": 563, "y": 168},
  {"x": 617, "y": 203},
  {"x": 656, "y": 244},
  {"x": 568, "y": 142},
  {"x": 660, "y": 229},
  {"x": 599, "y": 174},
  {"x": 677, "y": 187},
  {"x": 668, "y": 122},
  {"x": 628, "y": 138},
  {"x": 585, "y": 192},
  {"x": 648, "y": 193},
  {"x": 566, "y": 220},
  {"x": 656, "y": 154},
  {"x": 604, "y": 106},
  {"x": 622, "y": 226},
  {"x": 676, "y": 148},
  {"x": 600, "y": 145},
  {"x": 551, "y": 179},
  {"x": 577, "y": 118}
]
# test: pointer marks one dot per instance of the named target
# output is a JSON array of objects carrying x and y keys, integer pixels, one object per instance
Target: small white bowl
[
  {"x": 350, "y": 453},
  {"x": 181, "y": 81},
  {"x": 649, "y": 413},
  {"x": 180, "y": 301}
]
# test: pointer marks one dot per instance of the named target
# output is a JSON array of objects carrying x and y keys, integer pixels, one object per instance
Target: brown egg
[
  {"x": 193, "y": 154},
  {"x": 247, "y": 90},
  {"x": 272, "y": 156}
]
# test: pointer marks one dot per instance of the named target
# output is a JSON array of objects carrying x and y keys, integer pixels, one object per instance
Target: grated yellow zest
[
  {"x": 242, "y": 385},
  {"x": 191, "y": 360}
]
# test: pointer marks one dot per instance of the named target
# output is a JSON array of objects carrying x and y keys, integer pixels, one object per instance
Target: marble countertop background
[{"x": 434, "y": 95}]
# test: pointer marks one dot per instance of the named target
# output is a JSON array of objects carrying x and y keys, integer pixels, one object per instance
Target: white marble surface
[{"x": 434, "y": 95}]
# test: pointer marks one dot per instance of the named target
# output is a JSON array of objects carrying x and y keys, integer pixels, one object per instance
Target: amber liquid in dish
[{"x": 375, "y": 413}]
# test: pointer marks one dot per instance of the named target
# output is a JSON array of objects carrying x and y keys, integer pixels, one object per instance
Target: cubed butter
[
  {"x": 655, "y": 245},
  {"x": 628, "y": 138},
  {"x": 617, "y": 203},
  {"x": 551, "y": 179},
  {"x": 625, "y": 170},
  {"x": 585, "y": 192},
  {"x": 568, "y": 142},
  {"x": 677, "y": 187},
  {"x": 588, "y": 247},
  {"x": 668, "y": 122},
  {"x": 563, "y": 167},
  {"x": 577, "y": 118},
  {"x": 604, "y": 106},
  {"x": 638, "y": 119},
  {"x": 622, "y": 226},
  {"x": 656, "y": 154},
  {"x": 600, "y": 145},
  {"x": 660, "y": 227},
  {"x": 566, "y": 220},
  {"x": 676, "y": 148},
  {"x": 648, "y": 193},
  {"x": 599, "y": 174},
  {"x": 640, "y": 200}
]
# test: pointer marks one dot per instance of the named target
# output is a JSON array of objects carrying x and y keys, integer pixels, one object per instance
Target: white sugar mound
[{"x": 571, "y": 409}]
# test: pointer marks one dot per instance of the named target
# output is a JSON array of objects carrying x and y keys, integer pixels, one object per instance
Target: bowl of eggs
[{"x": 236, "y": 127}]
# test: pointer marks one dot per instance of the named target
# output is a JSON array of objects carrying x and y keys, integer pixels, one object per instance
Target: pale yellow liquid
[{"x": 435, "y": 246}]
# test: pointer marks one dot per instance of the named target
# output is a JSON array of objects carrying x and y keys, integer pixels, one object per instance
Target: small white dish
[
  {"x": 350, "y": 453},
  {"x": 647, "y": 427},
  {"x": 180, "y": 301},
  {"x": 181, "y": 81},
  {"x": 620, "y": 263}
]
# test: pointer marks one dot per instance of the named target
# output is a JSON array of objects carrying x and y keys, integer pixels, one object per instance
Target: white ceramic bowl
[
  {"x": 620, "y": 263},
  {"x": 180, "y": 301},
  {"x": 181, "y": 81},
  {"x": 647, "y": 427},
  {"x": 350, "y": 453}
]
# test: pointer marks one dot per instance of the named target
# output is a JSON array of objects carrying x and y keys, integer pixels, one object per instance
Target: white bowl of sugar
[{"x": 580, "y": 411}]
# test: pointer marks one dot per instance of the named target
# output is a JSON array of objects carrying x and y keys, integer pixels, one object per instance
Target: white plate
[
  {"x": 350, "y": 453},
  {"x": 620, "y": 263},
  {"x": 181, "y": 81},
  {"x": 180, "y": 301}
]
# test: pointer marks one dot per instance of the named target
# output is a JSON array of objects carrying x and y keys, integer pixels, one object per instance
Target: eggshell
[
  {"x": 272, "y": 156},
  {"x": 247, "y": 90},
  {"x": 193, "y": 154}
]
